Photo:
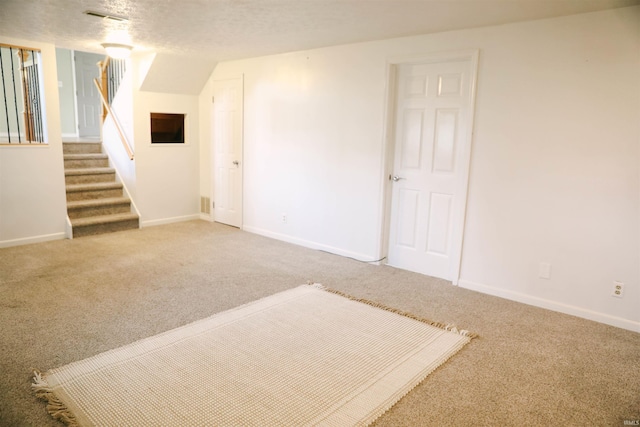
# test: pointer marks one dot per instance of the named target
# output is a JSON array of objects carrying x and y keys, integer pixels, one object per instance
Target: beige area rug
[{"x": 306, "y": 356}]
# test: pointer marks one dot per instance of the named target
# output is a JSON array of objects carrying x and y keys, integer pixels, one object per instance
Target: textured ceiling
[{"x": 217, "y": 30}]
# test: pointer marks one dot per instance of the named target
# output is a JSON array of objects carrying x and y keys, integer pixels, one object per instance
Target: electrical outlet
[
  {"x": 618, "y": 289},
  {"x": 284, "y": 218}
]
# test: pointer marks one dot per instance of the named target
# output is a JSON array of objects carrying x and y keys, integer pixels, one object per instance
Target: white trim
[
  {"x": 30, "y": 240},
  {"x": 116, "y": 166},
  {"x": 185, "y": 130},
  {"x": 68, "y": 227},
  {"x": 434, "y": 57},
  {"x": 12, "y": 134},
  {"x": 212, "y": 146},
  {"x": 125, "y": 190},
  {"x": 154, "y": 222},
  {"x": 24, "y": 145},
  {"x": 386, "y": 161},
  {"x": 309, "y": 244},
  {"x": 75, "y": 97},
  {"x": 206, "y": 217},
  {"x": 584, "y": 313},
  {"x": 471, "y": 55}
]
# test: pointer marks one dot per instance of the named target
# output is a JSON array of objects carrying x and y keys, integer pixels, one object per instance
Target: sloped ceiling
[{"x": 177, "y": 74}]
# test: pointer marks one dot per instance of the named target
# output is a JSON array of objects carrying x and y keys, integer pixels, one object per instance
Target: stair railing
[
  {"x": 105, "y": 104},
  {"x": 20, "y": 95},
  {"x": 103, "y": 66},
  {"x": 111, "y": 74}
]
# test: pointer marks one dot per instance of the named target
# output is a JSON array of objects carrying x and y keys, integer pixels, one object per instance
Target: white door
[
  {"x": 432, "y": 117},
  {"x": 88, "y": 98},
  {"x": 227, "y": 151}
]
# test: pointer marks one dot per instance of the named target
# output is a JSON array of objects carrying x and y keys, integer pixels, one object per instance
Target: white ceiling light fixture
[
  {"x": 117, "y": 50},
  {"x": 105, "y": 16}
]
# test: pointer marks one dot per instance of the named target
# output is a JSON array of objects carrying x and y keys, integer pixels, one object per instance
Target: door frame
[
  {"x": 213, "y": 142},
  {"x": 389, "y": 145},
  {"x": 76, "y": 134}
]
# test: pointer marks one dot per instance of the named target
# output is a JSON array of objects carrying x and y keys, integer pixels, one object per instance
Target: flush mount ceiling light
[
  {"x": 117, "y": 50},
  {"x": 105, "y": 15}
]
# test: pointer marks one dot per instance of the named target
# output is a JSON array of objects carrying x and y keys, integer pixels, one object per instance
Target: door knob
[
  {"x": 235, "y": 162},
  {"x": 395, "y": 178}
]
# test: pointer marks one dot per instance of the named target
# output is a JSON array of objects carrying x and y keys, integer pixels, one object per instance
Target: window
[{"x": 167, "y": 128}]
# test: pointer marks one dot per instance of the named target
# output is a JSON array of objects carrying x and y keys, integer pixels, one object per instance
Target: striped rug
[{"x": 306, "y": 356}]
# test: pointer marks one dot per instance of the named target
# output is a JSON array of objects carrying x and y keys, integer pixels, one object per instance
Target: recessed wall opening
[{"x": 167, "y": 128}]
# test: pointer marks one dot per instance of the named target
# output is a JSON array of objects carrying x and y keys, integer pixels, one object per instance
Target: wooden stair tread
[
  {"x": 88, "y": 171},
  {"x": 103, "y": 219},
  {"x": 106, "y": 201}
]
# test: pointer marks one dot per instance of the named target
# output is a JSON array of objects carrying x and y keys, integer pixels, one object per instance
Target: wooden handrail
[
  {"x": 102, "y": 66},
  {"x": 20, "y": 47},
  {"x": 125, "y": 143}
]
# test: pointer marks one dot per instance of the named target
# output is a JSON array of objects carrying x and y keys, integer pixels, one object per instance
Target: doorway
[
  {"x": 227, "y": 159},
  {"x": 430, "y": 120},
  {"x": 87, "y": 96}
]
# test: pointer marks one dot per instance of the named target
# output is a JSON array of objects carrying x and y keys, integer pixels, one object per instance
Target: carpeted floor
[{"x": 67, "y": 300}]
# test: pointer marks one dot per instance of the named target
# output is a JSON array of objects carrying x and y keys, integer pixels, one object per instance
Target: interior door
[
  {"x": 87, "y": 95},
  {"x": 433, "y": 106},
  {"x": 227, "y": 151}
]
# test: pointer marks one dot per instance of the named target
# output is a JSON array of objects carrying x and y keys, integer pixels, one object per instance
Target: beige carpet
[{"x": 305, "y": 356}]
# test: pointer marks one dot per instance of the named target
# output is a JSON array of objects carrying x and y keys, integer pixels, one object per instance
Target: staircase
[{"x": 95, "y": 202}]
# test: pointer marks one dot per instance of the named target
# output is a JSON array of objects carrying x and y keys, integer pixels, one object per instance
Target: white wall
[
  {"x": 555, "y": 158},
  {"x": 32, "y": 193},
  {"x": 122, "y": 108},
  {"x": 183, "y": 75},
  {"x": 167, "y": 175},
  {"x": 66, "y": 92},
  {"x": 312, "y": 146},
  {"x": 555, "y": 166}
]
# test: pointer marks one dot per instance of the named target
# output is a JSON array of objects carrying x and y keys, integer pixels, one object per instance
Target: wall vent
[{"x": 205, "y": 205}]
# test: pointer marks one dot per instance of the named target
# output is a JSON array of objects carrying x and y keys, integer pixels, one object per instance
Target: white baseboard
[
  {"x": 68, "y": 228},
  {"x": 14, "y": 136},
  {"x": 34, "y": 239},
  {"x": 155, "y": 222},
  {"x": 308, "y": 244},
  {"x": 206, "y": 217},
  {"x": 552, "y": 305}
]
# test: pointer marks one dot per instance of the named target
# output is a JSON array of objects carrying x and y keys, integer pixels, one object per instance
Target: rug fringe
[
  {"x": 55, "y": 407},
  {"x": 446, "y": 327},
  {"x": 315, "y": 285}
]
